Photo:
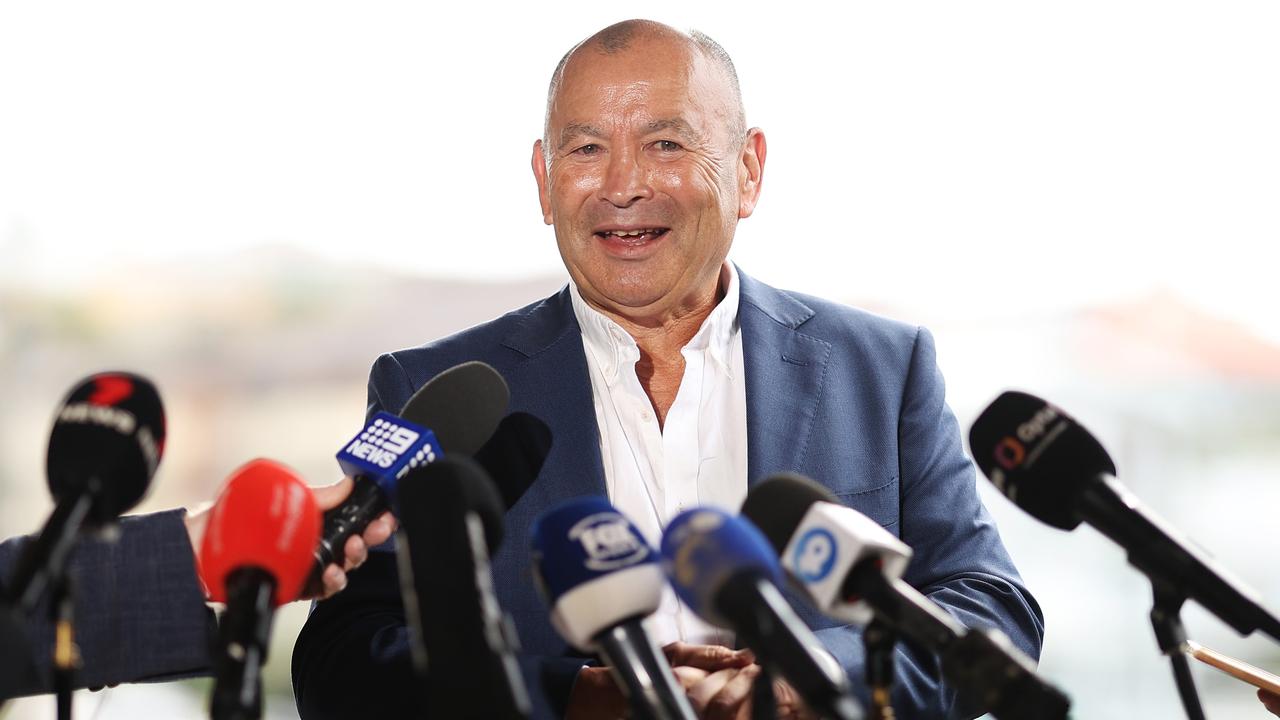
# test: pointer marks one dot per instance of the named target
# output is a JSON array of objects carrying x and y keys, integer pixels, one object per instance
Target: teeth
[{"x": 631, "y": 233}]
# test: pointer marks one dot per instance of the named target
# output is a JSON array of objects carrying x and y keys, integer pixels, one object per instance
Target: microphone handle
[
  {"x": 365, "y": 503},
  {"x": 761, "y": 616},
  {"x": 903, "y": 607},
  {"x": 644, "y": 675},
  {"x": 243, "y": 638},
  {"x": 994, "y": 675},
  {"x": 43, "y": 560}
]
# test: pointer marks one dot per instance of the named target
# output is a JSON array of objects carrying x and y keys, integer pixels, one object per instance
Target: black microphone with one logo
[
  {"x": 1051, "y": 467},
  {"x": 852, "y": 568}
]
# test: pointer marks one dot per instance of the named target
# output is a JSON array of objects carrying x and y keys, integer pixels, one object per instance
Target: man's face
[{"x": 645, "y": 185}]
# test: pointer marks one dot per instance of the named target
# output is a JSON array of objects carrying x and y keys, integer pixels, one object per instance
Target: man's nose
[{"x": 625, "y": 180}]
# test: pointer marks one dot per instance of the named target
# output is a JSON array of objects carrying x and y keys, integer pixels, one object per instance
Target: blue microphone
[
  {"x": 601, "y": 580},
  {"x": 727, "y": 572}
]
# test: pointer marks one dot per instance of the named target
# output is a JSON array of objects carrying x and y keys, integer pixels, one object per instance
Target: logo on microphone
[
  {"x": 110, "y": 390},
  {"x": 383, "y": 442},
  {"x": 1010, "y": 452},
  {"x": 814, "y": 555},
  {"x": 609, "y": 542}
]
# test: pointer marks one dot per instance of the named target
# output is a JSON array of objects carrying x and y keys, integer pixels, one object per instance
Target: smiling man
[{"x": 670, "y": 379}]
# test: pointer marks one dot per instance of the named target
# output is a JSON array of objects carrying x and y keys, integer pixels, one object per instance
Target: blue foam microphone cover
[
  {"x": 594, "y": 568},
  {"x": 703, "y": 548}
]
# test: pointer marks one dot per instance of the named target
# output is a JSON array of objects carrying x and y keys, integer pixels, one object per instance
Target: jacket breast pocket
[{"x": 878, "y": 503}]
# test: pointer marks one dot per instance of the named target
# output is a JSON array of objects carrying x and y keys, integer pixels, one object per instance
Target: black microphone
[
  {"x": 724, "y": 570},
  {"x": 463, "y": 645},
  {"x": 1050, "y": 466},
  {"x": 106, "y": 442},
  {"x": 514, "y": 455},
  {"x": 852, "y": 568},
  {"x": 456, "y": 411}
]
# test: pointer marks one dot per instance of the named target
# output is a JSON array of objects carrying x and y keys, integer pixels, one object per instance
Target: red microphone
[{"x": 255, "y": 556}]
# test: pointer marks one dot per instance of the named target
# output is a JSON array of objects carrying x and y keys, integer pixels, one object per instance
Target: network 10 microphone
[
  {"x": 254, "y": 557},
  {"x": 1047, "y": 464},
  {"x": 725, "y": 570},
  {"x": 462, "y": 644},
  {"x": 602, "y": 580},
  {"x": 456, "y": 410},
  {"x": 852, "y": 568},
  {"x": 107, "y": 439}
]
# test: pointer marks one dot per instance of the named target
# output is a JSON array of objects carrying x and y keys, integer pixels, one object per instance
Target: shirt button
[{"x": 645, "y": 415}]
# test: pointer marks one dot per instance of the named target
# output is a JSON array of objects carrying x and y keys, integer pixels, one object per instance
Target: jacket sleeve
[
  {"x": 959, "y": 561},
  {"x": 140, "y": 612}
]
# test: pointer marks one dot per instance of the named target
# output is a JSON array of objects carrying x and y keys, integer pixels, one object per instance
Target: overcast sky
[{"x": 983, "y": 156}]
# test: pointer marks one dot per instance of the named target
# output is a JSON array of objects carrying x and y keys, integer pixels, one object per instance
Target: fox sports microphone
[
  {"x": 457, "y": 409},
  {"x": 1051, "y": 467},
  {"x": 255, "y": 556},
  {"x": 107, "y": 439},
  {"x": 463, "y": 645},
  {"x": 601, "y": 580},
  {"x": 851, "y": 568},
  {"x": 725, "y": 570}
]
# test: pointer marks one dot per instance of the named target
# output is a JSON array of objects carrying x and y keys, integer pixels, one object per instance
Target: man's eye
[
  {"x": 668, "y": 145},
  {"x": 590, "y": 149}
]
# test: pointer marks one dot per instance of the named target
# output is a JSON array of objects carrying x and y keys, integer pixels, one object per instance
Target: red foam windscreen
[{"x": 265, "y": 517}]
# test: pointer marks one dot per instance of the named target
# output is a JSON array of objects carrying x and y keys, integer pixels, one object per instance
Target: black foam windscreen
[
  {"x": 462, "y": 406},
  {"x": 515, "y": 454},
  {"x": 434, "y": 498},
  {"x": 107, "y": 439},
  {"x": 1038, "y": 456},
  {"x": 778, "y": 503}
]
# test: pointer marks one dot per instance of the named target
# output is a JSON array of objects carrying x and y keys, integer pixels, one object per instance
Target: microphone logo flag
[{"x": 389, "y": 446}]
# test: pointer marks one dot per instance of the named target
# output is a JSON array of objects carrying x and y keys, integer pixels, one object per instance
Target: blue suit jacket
[{"x": 850, "y": 399}]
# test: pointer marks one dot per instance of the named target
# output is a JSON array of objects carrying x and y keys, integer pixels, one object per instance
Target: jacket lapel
[
  {"x": 785, "y": 371},
  {"x": 552, "y": 383}
]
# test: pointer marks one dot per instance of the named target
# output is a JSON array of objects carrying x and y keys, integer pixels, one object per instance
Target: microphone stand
[
  {"x": 1171, "y": 636},
  {"x": 879, "y": 640},
  {"x": 66, "y": 656}
]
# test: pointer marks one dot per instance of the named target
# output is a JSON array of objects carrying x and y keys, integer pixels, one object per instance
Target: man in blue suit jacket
[{"x": 645, "y": 168}]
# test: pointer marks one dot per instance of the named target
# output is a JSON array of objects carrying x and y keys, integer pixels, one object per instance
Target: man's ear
[
  {"x": 751, "y": 171},
  {"x": 540, "y": 174}
]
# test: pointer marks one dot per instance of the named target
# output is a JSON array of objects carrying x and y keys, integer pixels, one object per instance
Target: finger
[
  {"x": 380, "y": 530},
  {"x": 331, "y": 496},
  {"x": 355, "y": 553},
  {"x": 707, "y": 657},
  {"x": 688, "y": 676},
  {"x": 727, "y": 703},
  {"x": 702, "y": 693},
  {"x": 334, "y": 580}
]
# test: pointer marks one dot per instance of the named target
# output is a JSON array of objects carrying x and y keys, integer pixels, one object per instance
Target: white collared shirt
[{"x": 699, "y": 457}]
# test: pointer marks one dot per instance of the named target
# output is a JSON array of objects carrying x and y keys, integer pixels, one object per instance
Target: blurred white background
[{"x": 248, "y": 201}]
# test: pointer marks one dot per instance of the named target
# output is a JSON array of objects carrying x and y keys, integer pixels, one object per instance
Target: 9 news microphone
[
  {"x": 725, "y": 570},
  {"x": 601, "y": 580},
  {"x": 457, "y": 409},
  {"x": 463, "y": 645},
  {"x": 106, "y": 442},
  {"x": 1051, "y": 467},
  {"x": 851, "y": 568},
  {"x": 255, "y": 556}
]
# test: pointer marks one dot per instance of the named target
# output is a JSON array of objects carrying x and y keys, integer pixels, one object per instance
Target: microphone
[
  {"x": 601, "y": 579},
  {"x": 107, "y": 439},
  {"x": 514, "y": 455},
  {"x": 463, "y": 645},
  {"x": 852, "y": 568},
  {"x": 1048, "y": 465},
  {"x": 457, "y": 409},
  {"x": 724, "y": 569},
  {"x": 254, "y": 557}
]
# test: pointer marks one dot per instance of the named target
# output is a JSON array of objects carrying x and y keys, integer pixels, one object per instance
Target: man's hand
[
  {"x": 356, "y": 550},
  {"x": 1271, "y": 701},
  {"x": 726, "y": 694}
]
